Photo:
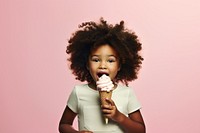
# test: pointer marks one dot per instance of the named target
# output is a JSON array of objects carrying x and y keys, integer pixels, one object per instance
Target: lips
[{"x": 99, "y": 74}]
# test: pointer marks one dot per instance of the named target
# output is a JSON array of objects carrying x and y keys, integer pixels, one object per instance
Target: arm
[
  {"x": 65, "y": 125},
  {"x": 132, "y": 124}
]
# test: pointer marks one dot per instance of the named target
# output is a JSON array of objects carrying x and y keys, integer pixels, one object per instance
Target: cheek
[
  {"x": 92, "y": 70},
  {"x": 114, "y": 71},
  {"x": 91, "y": 67},
  {"x": 117, "y": 67}
]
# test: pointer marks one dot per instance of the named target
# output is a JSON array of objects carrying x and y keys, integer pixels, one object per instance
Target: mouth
[{"x": 102, "y": 73}]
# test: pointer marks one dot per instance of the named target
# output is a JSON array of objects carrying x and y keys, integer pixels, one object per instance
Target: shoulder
[
  {"x": 77, "y": 90},
  {"x": 80, "y": 86},
  {"x": 126, "y": 90},
  {"x": 82, "y": 89},
  {"x": 123, "y": 88}
]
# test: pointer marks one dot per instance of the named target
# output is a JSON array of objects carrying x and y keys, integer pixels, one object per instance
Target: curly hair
[{"x": 91, "y": 35}]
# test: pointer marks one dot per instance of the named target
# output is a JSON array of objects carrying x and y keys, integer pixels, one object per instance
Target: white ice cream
[{"x": 104, "y": 83}]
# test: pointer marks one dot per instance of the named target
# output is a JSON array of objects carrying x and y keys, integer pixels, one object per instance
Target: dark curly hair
[{"x": 91, "y": 35}]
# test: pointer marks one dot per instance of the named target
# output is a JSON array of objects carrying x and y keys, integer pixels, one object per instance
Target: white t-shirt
[{"x": 85, "y": 102}]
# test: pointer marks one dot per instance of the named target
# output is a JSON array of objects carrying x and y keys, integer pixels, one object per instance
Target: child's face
[{"x": 103, "y": 60}]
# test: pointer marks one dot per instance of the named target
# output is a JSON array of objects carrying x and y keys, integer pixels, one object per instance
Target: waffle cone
[{"x": 103, "y": 95}]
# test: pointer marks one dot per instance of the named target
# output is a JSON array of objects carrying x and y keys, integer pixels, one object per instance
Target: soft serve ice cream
[
  {"x": 105, "y": 87},
  {"x": 104, "y": 83}
]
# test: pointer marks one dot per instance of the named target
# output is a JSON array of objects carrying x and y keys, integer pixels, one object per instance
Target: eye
[
  {"x": 95, "y": 59},
  {"x": 111, "y": 60}
]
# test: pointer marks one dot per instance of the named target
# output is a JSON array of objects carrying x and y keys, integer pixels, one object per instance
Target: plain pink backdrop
[{"x": 35, "y": 79}]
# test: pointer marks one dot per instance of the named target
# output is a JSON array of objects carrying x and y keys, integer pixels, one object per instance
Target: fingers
[
  {"x": 109, "y": 109},
  {"x": 110, "y": 101},
  {"x": 110, "y": 104}
]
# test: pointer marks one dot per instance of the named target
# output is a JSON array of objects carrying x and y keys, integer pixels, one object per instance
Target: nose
[{"x": 102, "y": 65}]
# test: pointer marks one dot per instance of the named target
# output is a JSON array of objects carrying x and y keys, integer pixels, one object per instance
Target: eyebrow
[{"x": 106, "y": 55}]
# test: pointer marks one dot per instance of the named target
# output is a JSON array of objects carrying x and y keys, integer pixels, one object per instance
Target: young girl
[{"x": 96, "y": 49}]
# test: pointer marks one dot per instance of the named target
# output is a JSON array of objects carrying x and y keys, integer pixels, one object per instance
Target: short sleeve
[
  {"x": 72, "y": 102},
  {"x": 133, "y": 103}
]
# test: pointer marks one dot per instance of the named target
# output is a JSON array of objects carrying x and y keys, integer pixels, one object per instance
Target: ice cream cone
[{"x": 103, "y": 95}]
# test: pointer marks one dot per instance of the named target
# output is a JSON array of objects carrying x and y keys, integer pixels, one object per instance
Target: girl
[{"x": 96, "y": 49}]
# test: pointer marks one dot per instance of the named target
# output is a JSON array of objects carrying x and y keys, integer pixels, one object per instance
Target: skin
[{"x": 104, "y": 59}]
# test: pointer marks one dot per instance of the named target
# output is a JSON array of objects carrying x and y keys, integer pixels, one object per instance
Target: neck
[{"x": 92, "y": 85}]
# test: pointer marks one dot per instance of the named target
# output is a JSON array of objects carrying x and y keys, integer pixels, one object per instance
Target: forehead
[{"x": 104, "y": 50}]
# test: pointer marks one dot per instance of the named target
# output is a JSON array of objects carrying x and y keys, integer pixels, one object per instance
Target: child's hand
[{"x": 110, "y": 111}]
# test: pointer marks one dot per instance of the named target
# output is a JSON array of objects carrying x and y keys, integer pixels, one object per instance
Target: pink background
[{"x": 35, "y": 80}]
